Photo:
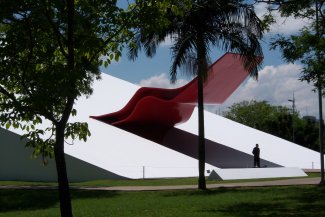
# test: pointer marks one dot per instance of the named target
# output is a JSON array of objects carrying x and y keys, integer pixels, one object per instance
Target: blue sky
[
  {"x": 277, "y": 79},
  {"x": 144, "y": 67}
]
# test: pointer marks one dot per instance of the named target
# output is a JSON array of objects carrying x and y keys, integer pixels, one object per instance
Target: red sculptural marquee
[{"x": 152, "y": 111}]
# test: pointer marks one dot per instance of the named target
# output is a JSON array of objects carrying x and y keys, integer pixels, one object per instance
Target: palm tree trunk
[
  {"x": 202, "y": 70},
  {"x": 201, "y": 137},
  {"x": 64, "y": 193}
]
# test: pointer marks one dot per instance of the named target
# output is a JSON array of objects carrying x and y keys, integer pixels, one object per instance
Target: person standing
[{"x": 256, "y": 153}]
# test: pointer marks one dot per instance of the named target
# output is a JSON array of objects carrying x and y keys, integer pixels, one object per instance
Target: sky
[{"x": 276, "y": 84}]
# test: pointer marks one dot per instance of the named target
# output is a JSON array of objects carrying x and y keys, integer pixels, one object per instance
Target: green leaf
[
  {"x": 73, "y": 112},
  {"x": 106, "y": 63},
  {"x": 15, "y": 125},
  {"x": 8, "y": 125},
  {"x": 117, "y": 57}
]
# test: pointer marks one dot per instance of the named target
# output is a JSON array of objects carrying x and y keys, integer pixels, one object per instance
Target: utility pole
[{"x": 293, "y": 114}]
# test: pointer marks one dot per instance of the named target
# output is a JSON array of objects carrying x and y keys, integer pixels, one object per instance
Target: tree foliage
[
  {"x": 35, "y": 78},
  {"x": 276, "y": 120},
  {"x": 309, "y": 49},
  {"x": 50, "y": 53},
  {"x": 308, "y": 45},
  {"x": 297, "y": 8}
]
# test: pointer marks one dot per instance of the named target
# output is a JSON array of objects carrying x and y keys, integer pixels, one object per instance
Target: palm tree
[{"x": 229, "y": 25}]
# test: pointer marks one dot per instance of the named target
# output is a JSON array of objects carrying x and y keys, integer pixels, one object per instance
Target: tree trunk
[
  {"x": 64, "y": 193},
  {"x": 201, "y": 137},
  {"x": 320, "y": 96},
  {"x": 321, "y": 135},
  {"x": 201, "y": 75}
]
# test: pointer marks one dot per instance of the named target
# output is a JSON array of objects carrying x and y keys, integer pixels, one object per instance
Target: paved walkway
[{"x": 286, "y": 182}]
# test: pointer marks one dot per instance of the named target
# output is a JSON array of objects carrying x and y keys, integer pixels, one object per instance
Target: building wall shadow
[{"x": 217, "y": 154}]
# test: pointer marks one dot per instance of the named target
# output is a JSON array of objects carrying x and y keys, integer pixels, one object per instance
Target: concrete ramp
[{"x": 256, "y": 173}]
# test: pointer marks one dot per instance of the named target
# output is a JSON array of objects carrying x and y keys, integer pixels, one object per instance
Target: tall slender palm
[{"x": 229, "y": 25}]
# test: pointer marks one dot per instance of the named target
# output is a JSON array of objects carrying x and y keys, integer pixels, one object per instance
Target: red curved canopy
[{"x": 152, "y": 110}]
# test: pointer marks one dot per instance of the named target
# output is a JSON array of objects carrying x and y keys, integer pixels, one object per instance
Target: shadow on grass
[
  {"x": 251, "y": 209},
  {"x": 303, "y": 201},
  {"x": 311, "y": 200},
  {"x": 23, "y": 200},
  {"x": 210, "y": 192},
  {"x": 88, "y": 194},
  {"x": 297, "y": 202},
  {"x": 14, "y": 200}
]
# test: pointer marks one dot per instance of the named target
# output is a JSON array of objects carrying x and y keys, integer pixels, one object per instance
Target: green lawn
[
  {"x": 143, "y": 182},
  {"x": 304, "y": 201}
]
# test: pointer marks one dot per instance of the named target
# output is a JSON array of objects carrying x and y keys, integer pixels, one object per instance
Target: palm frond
[
  {"x": 134, "y": 47},
  {"x": 149, "y": 41},
  {"x": 182, "y": 55},
  {"x": 230, "y": 25}
]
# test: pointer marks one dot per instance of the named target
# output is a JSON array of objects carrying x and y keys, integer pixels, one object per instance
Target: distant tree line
[{"x": 279, "y": 121}]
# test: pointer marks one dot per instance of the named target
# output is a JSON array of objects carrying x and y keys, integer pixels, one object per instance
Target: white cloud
[
  {"x": 276, "y": 85},
  {"x": 161, "y": 81},
  {"x": 289, "y": 25}
]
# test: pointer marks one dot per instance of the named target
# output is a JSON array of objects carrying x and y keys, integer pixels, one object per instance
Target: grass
[
  {"x": 301, "y": 201},
  {"x": 142, "y": 182},
  {"x": 316, "y": 174},
  {"x": 173, "y": 181}
]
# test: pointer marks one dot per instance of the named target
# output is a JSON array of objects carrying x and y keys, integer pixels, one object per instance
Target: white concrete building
[{"x": 111, "y": 152}]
